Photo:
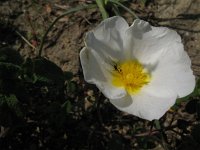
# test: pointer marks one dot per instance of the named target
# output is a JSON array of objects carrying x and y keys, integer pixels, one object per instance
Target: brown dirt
[{"x": 184, "y": 17}]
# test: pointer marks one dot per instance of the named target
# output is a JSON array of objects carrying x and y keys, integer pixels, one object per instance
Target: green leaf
[
  {"x": 198, "y": 108},
  {"x": 67, "y": 106},
  {"x": 105, "y": 2},
  {"x": 9, "y": 55},
  {"x": 196, "y": 132},
  {"x": 71, "y": 87},
  {"x": 28, "y": 71},
  {"x": 8, "y": 70},
  {"x": 157, "y": 124},
  {"x": 116, "y": 10},
  {"x": 47, "y": 71},
  {"x": 144, "y": 1},
  {"x": 8, "y": 77},
  {"x": 124, "y": 7},
  {"x": 68, "y": 75},
  {"x": 191, "y": 106},
  {"x": 13, "y": 103},
  {"x": 117, "y": 143},
  {"x": 102, "y": 9},
  {"x": 55, "y": 115}
]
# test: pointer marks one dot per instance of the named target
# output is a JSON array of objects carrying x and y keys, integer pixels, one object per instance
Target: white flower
[{"x": 141, "y": 69}]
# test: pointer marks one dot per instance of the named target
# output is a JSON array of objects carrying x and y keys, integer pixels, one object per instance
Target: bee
[{"x": 116, "y": 67}]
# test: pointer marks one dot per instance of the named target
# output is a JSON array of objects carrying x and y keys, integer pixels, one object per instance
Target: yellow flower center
[{"x": 131, "y": 75}]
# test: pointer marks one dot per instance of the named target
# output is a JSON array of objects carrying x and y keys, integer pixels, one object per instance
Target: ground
[{"x": 24, "y": 22}]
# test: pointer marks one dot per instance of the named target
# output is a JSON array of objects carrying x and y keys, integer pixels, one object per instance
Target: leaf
[
  {"x": 196, "y": 132},
  {"x": 198, "y": 109},
  {"x": 13, "y": 103},
  {"x": 8, "y": 77},
  {"x": 9, "y": 110},
  {"x": 47, "y": 71},
  {"x": 28, "y": 71},
  {"x": 144, "y": 2},
  {"x": 67, "y": 106},
  {"x": 117, "y": 143},
  {"x": 191, "y": 106},
  {"x": 68, "y": 75},
  {"x": 55, "y": 115},
  {"x": 71, "y": 87},
  {"x": 102, "y": 9},
  {"x": 9, "y": 55},
  {"x": 105, "y": 2},
  {"x": 8, "y": 70}
]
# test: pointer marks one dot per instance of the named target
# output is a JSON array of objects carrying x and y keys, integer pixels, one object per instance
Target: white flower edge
[{"x": 159, "y": 49}]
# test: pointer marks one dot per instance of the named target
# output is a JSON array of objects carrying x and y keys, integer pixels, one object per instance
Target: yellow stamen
[{"x": 131, "y": 75}]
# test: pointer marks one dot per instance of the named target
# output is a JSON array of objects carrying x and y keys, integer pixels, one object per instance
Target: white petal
[
  {"x": 173, "y": 72},
  {"x": 161, "y": 51},
  {"x": 94, "y": 70},
  {"x": 145, "y": 105},
  {"x": 107, "y": 38},
  {"x": 146, "y": 43}
]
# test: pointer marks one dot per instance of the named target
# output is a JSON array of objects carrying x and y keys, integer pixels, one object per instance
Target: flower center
[{"x": 131, "y": 75}]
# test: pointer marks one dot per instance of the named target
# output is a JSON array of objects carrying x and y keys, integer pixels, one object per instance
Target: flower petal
[
  {"x": 145, "y": 105},
  {"x": 146, "y": 43},
  {"x": 94, "y": 70},
  {"x": 107, "y": 38},
  {"x": 173, "y": 72},
  {"x": 161, "y": 51}
]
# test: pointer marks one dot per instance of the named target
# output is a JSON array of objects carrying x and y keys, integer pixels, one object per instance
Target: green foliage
[
  {"x": 108, "y": 7},
  {"x": 144, "y": 1},
  {"x": 117, "y": 143},
  {"x": 68, "y": 75},
  {"x": 101, "y": 5},
  {"x": 67, "y": 106},
  {"x": 47, "y": 71},
  {"x": 19, "y": 78},
  {"x": 196, "y": 133},
  {"x": 10, "y": 110},
  {"x": 28, "y": 74},
  {"x": 9, "y": 55},
  {"x": 13, "y": 104},
  {"x": 32, "y": 97},
  {"x": 10, "y": 61}
]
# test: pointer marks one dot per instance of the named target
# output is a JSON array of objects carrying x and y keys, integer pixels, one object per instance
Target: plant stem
[
  {"x": 100, "y": 4},
  {"x": 98, "y": 109},
  {"x": 23, "y": 38},
  {"x": 158, "y": 126},
  {"x": 124, "y": 7},
  {"x": 73, "y": 10}
]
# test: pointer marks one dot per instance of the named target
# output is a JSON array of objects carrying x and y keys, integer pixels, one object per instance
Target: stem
[
  {"x": 158, "y": 126},
  {"x": 102, "y": 9},
  {"x": 124, "y": 7},
  {"x": 59, "y": 17},
  {"x": 151, "y": 127},
  {"x": 98, "y": 109},
  {"x": 23, "y": 38}
]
